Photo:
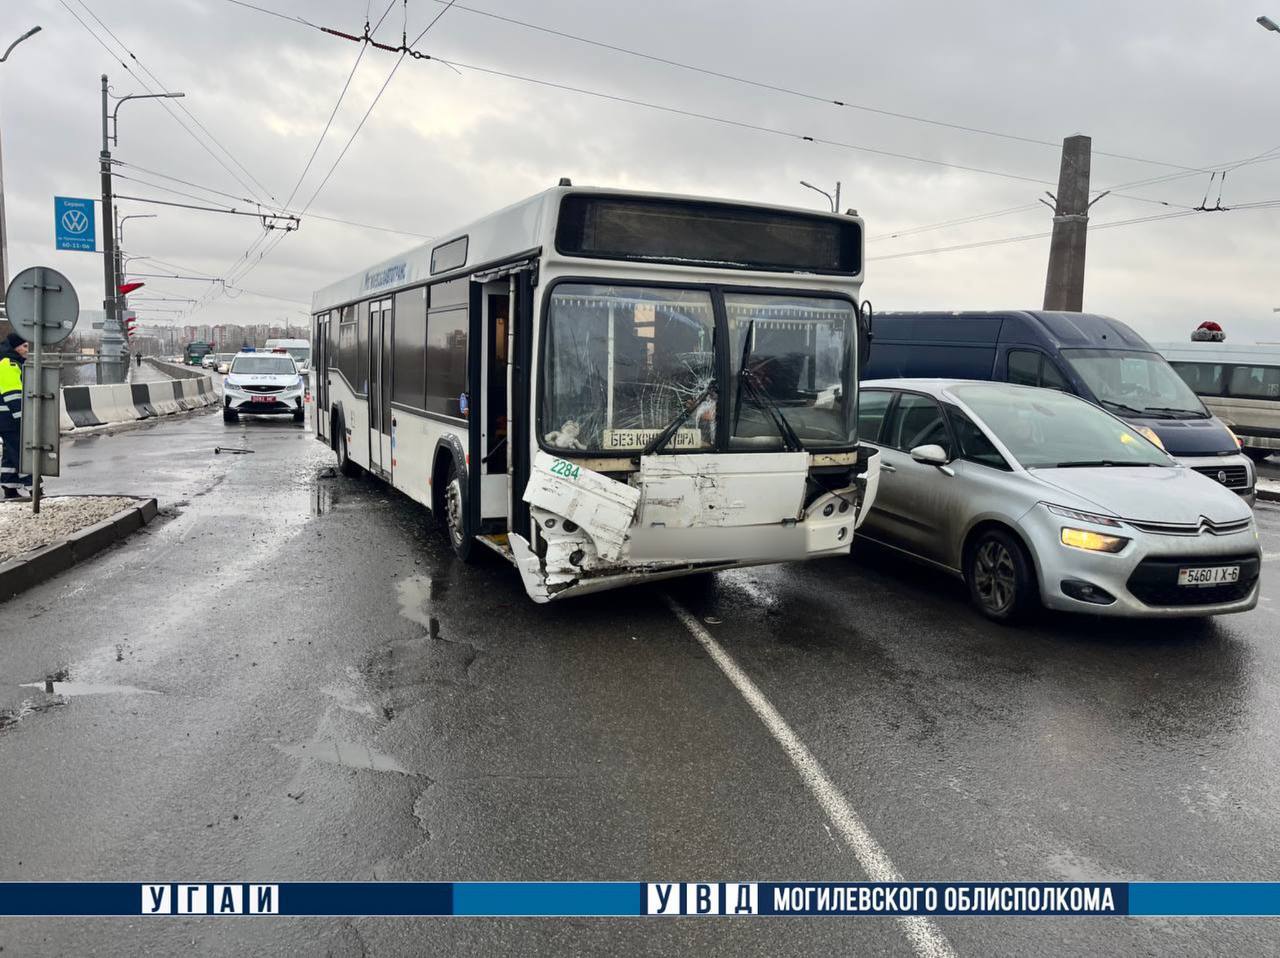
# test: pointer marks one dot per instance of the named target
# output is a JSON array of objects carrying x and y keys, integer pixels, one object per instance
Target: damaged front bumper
[{"x": 688, "y": 513}]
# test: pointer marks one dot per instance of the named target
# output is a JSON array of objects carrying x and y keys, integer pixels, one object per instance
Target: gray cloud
[{"x": 1186, "y": 82}]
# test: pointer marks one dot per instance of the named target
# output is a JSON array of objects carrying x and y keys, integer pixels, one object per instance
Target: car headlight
[
  {"x": 1238, "y": 441},
  {"x": 1079, "y": 516},
  {"x": 1092, "y": 541},
  {"x": 1146, "y": 432}
]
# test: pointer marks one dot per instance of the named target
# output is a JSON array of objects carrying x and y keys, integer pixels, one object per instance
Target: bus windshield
[
  {"x": 798, "y": 367},
  {"x": 1131, "y": 383},
  {"x": 622, "y": 362}
]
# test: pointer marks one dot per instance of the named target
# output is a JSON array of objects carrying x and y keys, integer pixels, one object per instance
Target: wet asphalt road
[{"x": 288, "y": 676}]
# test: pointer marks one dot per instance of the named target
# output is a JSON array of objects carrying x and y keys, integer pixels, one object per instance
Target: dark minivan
[{"x": 1094, "y": 357}]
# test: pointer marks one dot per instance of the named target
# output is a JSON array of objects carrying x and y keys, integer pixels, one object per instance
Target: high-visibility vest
[{"x": 10, "y": 394}]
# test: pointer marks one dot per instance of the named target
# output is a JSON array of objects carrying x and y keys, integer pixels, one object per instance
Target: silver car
[{"x": 1038, "y": 497}]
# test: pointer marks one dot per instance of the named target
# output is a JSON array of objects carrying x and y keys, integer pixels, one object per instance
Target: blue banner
[
  {"x": 626, "y": 899},
  {"x": 73, "y": 227}
]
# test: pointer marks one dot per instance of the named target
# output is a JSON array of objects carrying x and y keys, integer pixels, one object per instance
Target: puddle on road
[
  {"x": 415, "y": 595},
  {"x": 346, "y": 754},
  {"x": 86, "y": 688},
  {"x": 321, "y": 500}
]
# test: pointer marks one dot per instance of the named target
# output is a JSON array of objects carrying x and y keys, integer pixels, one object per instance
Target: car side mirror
[{"x": 930, "y": 454}]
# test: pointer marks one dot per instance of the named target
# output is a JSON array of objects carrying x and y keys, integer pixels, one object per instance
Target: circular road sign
[{"x": 59, "y": 307}]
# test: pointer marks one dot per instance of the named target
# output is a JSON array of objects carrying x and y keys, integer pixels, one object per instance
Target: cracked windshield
[{"x": 623, "y": 362}]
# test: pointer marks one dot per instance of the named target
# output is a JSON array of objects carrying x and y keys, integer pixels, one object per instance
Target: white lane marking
[
  {"x": 925, "y": 938},
  {"x": 1270, "y": 556}
]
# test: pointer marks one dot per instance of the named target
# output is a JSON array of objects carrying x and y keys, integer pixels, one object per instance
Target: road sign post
[{"x": 43, "y": 308}]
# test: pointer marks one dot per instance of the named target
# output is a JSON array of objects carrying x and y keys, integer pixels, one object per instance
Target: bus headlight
[{"x": 1092, "y": 541}]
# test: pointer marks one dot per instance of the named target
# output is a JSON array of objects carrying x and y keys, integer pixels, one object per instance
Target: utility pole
[
  {"x": 5, "y": 328},
  {"x": 1064, "y": 284},
  {"x": 112, "y": 340},
  {"x": 114, "y": 345}
]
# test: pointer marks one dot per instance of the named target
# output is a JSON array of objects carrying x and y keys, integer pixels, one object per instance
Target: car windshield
[
  {"x": 300, "y": 353},
  {"x": 799, "y": 367},
  {"x": 1135, "y": 383},
  {"x": 1046, "y": 428},
  {"x": 263, "y": 366}
]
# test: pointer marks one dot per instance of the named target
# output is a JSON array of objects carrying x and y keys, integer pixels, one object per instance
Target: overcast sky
[{"x": 1191, "y": 83}]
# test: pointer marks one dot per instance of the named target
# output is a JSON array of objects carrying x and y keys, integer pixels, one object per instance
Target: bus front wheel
[{"x": 455, "y": 516}]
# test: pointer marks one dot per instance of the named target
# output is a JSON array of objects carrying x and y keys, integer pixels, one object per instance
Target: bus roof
[
  {"x": 523, "y": 227},
  {"x": 1257, "y": 354}
]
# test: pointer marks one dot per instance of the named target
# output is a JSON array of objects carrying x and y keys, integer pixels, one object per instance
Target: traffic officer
[{"x": 13, "y": 353}]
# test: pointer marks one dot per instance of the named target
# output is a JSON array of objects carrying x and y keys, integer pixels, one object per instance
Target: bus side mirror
[{"x": 865, "y": 312}]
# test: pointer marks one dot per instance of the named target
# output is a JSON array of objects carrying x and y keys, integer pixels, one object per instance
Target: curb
[
  {"x": 18, "y": 575},
  {"x": 1268, "y": 495}
]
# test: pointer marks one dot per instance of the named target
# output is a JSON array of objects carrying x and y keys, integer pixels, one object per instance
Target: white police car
[{"x": 263, "y": 384}]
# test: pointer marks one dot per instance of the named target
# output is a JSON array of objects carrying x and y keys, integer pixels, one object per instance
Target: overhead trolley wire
[
  {"x": 801, "y": 94},
  {"x": 164, "y": 103}
]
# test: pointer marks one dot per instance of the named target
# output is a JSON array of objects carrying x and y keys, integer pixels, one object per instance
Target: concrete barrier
[
  {"x": 64, "y": 420},
  {"x": 81, "y": 407},
  {"x": 163, "y": 398}
]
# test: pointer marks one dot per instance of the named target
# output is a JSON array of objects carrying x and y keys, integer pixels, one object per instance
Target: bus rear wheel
[
  {"x": 345, "y": 464},
  {"x": 456, "y": 524}
]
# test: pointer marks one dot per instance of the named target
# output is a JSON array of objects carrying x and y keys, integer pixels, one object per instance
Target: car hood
[
  {"x": 1190, "y": 437},
  {"x": 241, "y": 379},
  {"x": 1147, "y": 494}
]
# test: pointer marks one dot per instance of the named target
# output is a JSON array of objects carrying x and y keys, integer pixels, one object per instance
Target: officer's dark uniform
[{"x": 12, "y": 482}]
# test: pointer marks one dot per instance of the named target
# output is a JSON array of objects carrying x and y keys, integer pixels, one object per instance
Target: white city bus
[{"x": 608, "y": 386}]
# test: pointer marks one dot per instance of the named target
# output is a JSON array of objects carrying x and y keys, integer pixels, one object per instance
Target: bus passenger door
[
  {"x": 320, "y": 374},
  {"x": 379, "y": 387}
]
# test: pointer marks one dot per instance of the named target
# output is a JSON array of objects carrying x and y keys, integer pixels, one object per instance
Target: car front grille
[
  {"x": 1203, "y": 527},
  {"x": 1233, "y": 477},
  {"x": 1155, "y": 581},
  {"x": 263, "y": 389}
]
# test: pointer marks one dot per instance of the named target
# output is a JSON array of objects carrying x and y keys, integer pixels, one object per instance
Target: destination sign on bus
[
  {"x": 639, "y": 438},
  {"x": 708, "y": 234}
]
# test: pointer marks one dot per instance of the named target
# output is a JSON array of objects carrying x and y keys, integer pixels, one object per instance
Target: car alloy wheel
[{"x": 995, "y": 577}]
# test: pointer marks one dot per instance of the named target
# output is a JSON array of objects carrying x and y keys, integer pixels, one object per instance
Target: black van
[{"x": 1094, "y": 357}]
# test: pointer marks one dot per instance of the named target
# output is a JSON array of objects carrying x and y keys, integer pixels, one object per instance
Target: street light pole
[
  {"x": 833, "y": 200},
  {"x": 4, "y": 235},
  {"x": 120, "y": 221},
  {"x": 113, "y": 339}
]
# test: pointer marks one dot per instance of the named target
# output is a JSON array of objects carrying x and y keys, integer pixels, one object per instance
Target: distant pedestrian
[
  {"x": 13, "y": 353},
  {"x": 137, "y": 358}
]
